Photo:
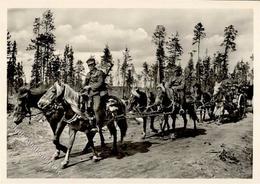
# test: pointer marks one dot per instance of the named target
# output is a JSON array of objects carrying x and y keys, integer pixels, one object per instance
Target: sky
[{"x": 89, "y": 30}]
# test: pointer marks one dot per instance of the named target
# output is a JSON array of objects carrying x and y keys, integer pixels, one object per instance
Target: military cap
[{"x": 91, "y": 61}]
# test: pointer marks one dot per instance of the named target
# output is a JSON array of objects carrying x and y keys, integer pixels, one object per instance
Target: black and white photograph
[{"x": 130, "y": 93}]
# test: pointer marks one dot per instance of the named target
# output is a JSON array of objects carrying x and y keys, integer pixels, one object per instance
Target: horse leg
[
  {"x": 144, "y": 128},
  {"x": 204, "y": 113},
  {"x": 193, "y": 115},
  {"x": 201, "y": 119},
  {"x": 102, "y": 139},
  {"x": 72, "y": 135},
  {"x": 57, "y": 152},
  {"x": 90, "y": 136},
  {"x": 166, "y": 123},
  {"x": 173, "y": 116},
  {"x": 113, "y": 131},
  {"x": 56, "y": 140},
  {"x": 185, "y": 120},
  {"x": 152, "y": 125}
]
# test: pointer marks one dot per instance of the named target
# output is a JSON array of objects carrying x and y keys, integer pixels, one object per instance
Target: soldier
[
  {"x": 95, "y": 90},
  {"x": 175, "y": 88}
]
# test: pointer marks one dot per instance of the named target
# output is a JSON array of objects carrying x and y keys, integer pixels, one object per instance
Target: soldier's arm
[
  {"x": 99, "y": 82},
  {"x": 180, "y": 86},
  {"x": 169, "y": 83},
  {"x": 87, "y": 80}
]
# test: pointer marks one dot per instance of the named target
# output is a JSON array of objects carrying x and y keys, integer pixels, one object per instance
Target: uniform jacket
[
  {"x": 177, "y": 83},
  {"x": 96, "y": 80}
]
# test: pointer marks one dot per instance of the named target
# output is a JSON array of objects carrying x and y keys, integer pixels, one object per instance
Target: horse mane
[
  {"x": 72, "y": 98},
  {"x": 38, "y": 91}
]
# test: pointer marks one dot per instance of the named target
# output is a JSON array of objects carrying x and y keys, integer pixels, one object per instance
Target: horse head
[
  {"x": 22, "y": 105},
  {"x": 53, "y": 93},
  {"x": 133, "y": 99}
]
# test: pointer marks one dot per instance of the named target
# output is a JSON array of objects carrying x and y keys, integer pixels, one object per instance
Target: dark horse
[
  {"x": 138, "y": 103},
  {"x": 70, "y": 99},
  {"x": 203, "y": 102},
  {"x": 28, "y": 98},
  {"x": 169, "y": 107}
]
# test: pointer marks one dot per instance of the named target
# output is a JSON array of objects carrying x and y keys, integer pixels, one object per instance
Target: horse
[
  {"x": 203, "y": 102},
  {"x": 138, "y": 103},
  {"x": 70, "y": 100},
  {"x": 28, "y": 98},
  {"x": 169, "y": 107}
]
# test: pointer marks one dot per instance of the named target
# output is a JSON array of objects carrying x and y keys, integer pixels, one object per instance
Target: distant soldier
[
  {"x": 95, "y": 90},
  {"x": 175, "y": 88}
]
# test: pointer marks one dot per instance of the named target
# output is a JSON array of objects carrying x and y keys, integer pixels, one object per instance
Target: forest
[{"x": 202, "y": 68}]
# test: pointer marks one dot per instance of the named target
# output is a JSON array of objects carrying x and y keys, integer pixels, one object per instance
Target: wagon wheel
[{"x": 241, "y": 106}]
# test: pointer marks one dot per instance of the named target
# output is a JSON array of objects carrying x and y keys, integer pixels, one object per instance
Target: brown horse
[
  {"x": 79, "y": 122},
  {"x": 169, "y": 107},
  {"x": 28, "y": 98}
]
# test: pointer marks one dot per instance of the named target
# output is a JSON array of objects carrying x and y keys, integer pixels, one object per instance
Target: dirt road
[{"x": 216, "y": 151}]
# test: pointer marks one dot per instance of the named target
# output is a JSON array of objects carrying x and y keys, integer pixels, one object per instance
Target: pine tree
[
  {"x": 229, "y": 45},
  {"x": 107, "y": 62},
  {"x": 199, "y": 34},
  {"x": 159, "y": 40},
  {"x": 189, "y": 73},
  {"x": 37, "y": 69},
  {"x": 56, "y": 68},
  {"x": 205, "y": 73},
  {"x": 11, "y": 66},
  {"x": 65, "y": 64},
  {"x": 118, "y": 72},
  {"x": 71, "y": 71},
  {"x": 48, "y": 40},
  {"x": 19, "y": 76},
  {"x": 43, "y": 44},
  {"x": 124, "y": 68},
  {"x": 199, "y": 72},
  {"x": 79, "y": 69},
  {"x": 129, "y": 79},
  {"x": 175, "y": 50},
  {"x": 145, "y": 73}
]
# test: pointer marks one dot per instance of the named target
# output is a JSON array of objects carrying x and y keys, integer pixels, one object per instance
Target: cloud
[{"x": 93, "y": 37}]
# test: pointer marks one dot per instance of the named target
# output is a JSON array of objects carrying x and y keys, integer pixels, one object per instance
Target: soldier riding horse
[{"x": 79, "y": 121}]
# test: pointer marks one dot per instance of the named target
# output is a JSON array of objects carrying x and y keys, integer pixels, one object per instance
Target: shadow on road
[{"x": 131, "y": 148}]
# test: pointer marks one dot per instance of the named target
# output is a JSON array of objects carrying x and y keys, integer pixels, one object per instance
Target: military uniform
[
  {"x": 176, "y": 87},
  {"x": 95, "y": 88}
]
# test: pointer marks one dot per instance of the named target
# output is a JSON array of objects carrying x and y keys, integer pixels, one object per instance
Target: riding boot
[{"x": 93, "y": 124}]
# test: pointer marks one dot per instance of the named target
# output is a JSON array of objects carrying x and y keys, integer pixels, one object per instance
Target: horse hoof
[
  {"x": 96, "y": 158},
  {"x": 173, "y": 136},
  {"x": 55, "y": 156},
  {"x": 154, "y": 131},
  {"x": 143, "y": 135},
  {"x": 64, "y": 164},
  {"x": 83, "y": 152},
  {"x": 114, "y": 152}
]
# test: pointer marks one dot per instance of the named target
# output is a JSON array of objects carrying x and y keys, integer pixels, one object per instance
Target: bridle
[{"x": 27, "y": 113}]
